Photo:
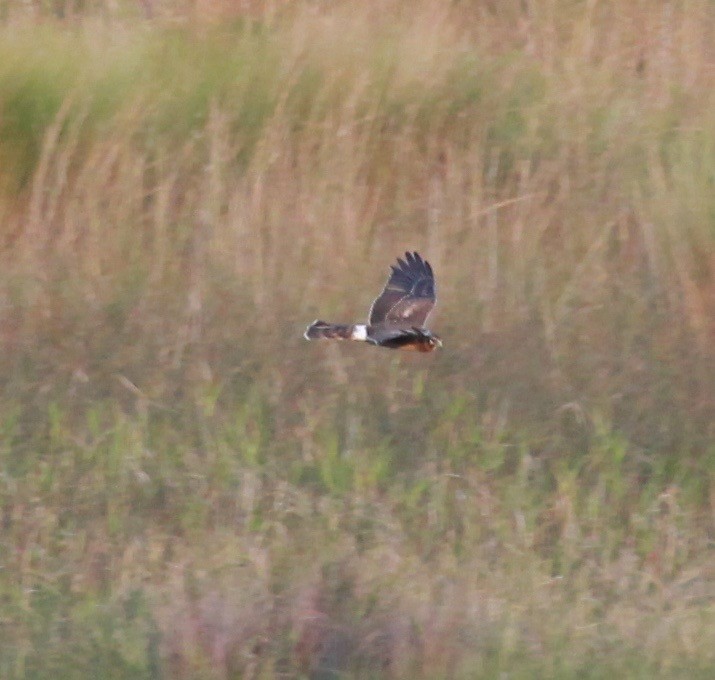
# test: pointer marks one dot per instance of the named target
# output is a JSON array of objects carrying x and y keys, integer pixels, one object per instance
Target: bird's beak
[{"x": 439, "y": 342}]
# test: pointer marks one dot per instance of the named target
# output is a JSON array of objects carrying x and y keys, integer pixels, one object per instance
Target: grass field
[{"x": 190, "y": 490}]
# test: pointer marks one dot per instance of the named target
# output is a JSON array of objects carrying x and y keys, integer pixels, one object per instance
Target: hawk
[{"x": 397, "y": 316}]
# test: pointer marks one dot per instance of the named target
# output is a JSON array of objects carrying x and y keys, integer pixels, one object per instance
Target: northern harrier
[{"x": 397, "y": 316}]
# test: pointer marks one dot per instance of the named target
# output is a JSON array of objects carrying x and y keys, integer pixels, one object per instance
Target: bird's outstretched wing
[{"x": 408, "y": 296}]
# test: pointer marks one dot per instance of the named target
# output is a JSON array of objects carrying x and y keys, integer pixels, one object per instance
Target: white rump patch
[{"x": 359, "y": 332}]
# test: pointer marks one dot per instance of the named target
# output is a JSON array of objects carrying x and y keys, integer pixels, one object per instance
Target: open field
[{"x": 189, "y": 490}]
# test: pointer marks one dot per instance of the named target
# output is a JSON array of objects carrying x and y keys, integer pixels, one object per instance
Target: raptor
[{"x": 398, "y": 315}]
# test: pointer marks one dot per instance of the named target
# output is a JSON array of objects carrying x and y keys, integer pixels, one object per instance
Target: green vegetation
[{"x": 190, "y": 490}]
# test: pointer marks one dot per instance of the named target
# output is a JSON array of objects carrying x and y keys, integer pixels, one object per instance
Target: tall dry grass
[{"x": 190, "y": 490}]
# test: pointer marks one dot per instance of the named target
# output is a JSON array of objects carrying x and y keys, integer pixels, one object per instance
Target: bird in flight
[{"x": 397, "y": 316}]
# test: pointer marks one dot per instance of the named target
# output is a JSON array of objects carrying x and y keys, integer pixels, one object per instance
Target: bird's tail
[{"x": 321, "y": 330}]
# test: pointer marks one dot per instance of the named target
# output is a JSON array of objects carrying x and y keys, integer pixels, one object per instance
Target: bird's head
[{"x": 433, "y": 341}]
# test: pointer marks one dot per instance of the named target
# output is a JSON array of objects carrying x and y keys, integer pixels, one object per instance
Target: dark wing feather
[{"x": 408, "y": 296}]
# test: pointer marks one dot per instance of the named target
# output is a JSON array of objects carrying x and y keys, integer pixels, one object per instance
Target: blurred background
[{"x": 190, "y": 490}]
